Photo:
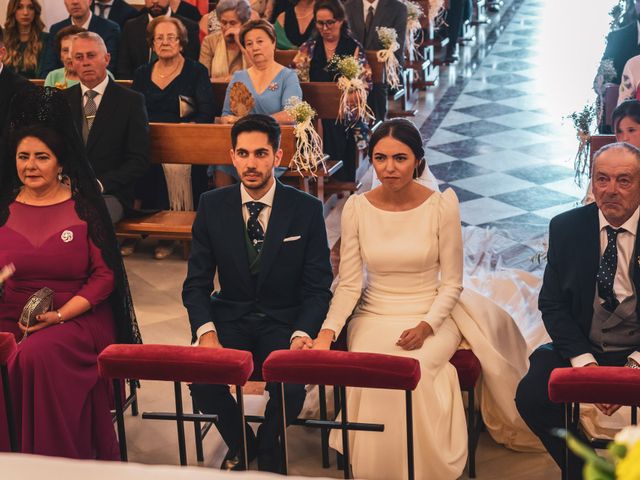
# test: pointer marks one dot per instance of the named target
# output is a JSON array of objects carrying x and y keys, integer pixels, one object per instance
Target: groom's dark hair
[{"x": 257, "y": 123}]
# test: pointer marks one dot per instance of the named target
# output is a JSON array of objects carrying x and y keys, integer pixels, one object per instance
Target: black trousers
[
  {"x": 459, "y": 11},
  {"x": 340, "y": 144},
  {"x": 260, "y": 335},
  {"x": 540, "y": 413},
  {"x": 377, "y": 101}
]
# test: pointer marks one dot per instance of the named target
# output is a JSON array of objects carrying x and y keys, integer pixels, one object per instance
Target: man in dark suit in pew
[
  {"x": 117, "y": 11},
  {"x": 113, "y": 122},
  {"x": 589, "y": 296},
  {"x": 134, "y": 47},
  {"x": 268, "y": 244},
  {"x": 80, "y": 14},
  {"x": 364, "y": 17}
]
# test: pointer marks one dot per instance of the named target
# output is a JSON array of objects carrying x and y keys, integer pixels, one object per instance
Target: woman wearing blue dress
[{"x": 271, "y": 85}]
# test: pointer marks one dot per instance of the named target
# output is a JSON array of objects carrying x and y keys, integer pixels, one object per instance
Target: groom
[
  {"x": 268, "y": 244},
  {"x": 592, "y": 315}
]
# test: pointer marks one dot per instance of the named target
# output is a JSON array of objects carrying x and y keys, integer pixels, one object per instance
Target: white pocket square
[{"x": 292, "y": 239}]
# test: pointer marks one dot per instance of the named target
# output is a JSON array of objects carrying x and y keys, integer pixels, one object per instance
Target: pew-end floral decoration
[
  {"x": 583, "y": 122},
  {"x": 414, "y": 35},
  {"x": 623, "y": 459},
  {"x": 353, "y": 102},
  {"x": 389, "y": 40},
  {"x": 308, "y": 152}
]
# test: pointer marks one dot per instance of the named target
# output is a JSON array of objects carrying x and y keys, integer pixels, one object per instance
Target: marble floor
[{"x": 495, "y": 133}]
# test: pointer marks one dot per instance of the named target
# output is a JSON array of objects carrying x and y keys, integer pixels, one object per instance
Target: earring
[{"x": 60, "y": 177}]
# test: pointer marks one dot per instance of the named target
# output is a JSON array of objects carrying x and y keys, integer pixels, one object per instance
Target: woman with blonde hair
[{"x": 24, "y": 37}]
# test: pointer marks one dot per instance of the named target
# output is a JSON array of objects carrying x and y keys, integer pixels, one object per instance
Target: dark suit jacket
[
  {"x": 189, "y": 11},
  {"x": 10, "y": 84},
  {"x": 295, "y": 276},
  {"x": 108, "y": 30},
  {"x": 622, "y": 44},
  {"x": 118, "y": 143},
  {"x": 569, "y": 286},
  {"x": 389, "y": 13},
  {"x": 134, "y": 50},
  {"x": 120, "y": 12}
]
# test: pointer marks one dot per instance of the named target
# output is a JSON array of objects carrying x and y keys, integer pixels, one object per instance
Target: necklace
[{"x": 170, "y": 73}]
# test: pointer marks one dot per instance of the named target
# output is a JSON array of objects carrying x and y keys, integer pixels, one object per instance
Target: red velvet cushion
[
  {"x": 7, "y": 346},
  {"x": 468, "y": 367},
  {"x": 617, "y": 385},
  {"x": 176, "y": 363},
  {"x": 352, "y": 369}
]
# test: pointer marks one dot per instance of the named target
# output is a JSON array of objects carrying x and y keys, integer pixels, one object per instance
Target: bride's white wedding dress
[{"x": 397, "y": 269}]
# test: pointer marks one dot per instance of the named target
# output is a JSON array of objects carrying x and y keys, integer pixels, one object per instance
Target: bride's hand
[
  {"x": 413, "y": 338},
  {"x": 323, "y": 340}
]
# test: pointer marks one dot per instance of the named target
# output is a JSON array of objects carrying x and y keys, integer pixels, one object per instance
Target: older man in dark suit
[
  {"x": 268, "y": 244},
  {"x": 589, "y": 296},
  {"x": 10, "y": 84},
  {"x": 80, "y": 14},
  {"x": 364, "y": 16},
  {"x": 117, "y": 11},
  {"x": 134, "y": 49},
  {"x": 113, "y": 121}
]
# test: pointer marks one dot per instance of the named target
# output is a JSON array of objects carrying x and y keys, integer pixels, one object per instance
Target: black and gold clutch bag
[{"x": 38, "y": 303}]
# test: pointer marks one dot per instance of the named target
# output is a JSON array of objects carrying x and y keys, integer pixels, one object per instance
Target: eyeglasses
[
  {"x": 168, "y": 39},
  {"x": 322, "y": 24}
]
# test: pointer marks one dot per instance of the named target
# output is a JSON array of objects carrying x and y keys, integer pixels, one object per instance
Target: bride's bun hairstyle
[{"x": 405, "y": 132}]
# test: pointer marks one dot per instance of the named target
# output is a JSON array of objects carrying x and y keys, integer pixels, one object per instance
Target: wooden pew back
[
  {"x": 285, "y": 57},
  {"x": 203, "y": 144},
  {"x": 377, "y": 67},
  {"x": 599, "y": 141}
]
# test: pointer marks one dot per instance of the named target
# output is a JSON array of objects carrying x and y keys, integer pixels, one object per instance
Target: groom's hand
[
  {"x": 301, "y": 343},
  {"x": 209, "y": 340}
]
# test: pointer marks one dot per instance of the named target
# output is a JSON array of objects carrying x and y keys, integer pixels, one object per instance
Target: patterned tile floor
[{"x": 497, "y": 136}]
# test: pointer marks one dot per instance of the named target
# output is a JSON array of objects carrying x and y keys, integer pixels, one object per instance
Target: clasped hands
[{"x": 410, "y": 339}]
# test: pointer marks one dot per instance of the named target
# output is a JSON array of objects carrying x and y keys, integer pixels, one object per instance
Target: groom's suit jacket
[
  {"x": 293, "y": 286},
  {"x": 569, "y": 287}
]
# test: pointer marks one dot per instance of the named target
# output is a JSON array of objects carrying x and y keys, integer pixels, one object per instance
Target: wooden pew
[
  {"x": 599, "y": 141},
  {"x": 188, "y": 144},
  {"x": 402, "y": 94},
  {"x": 285, "y": 57}
]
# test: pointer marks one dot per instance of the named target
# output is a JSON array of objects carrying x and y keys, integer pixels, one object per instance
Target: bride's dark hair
[
  {"x": 44, "y": 113},
  {"x": 406, "y": 132}
]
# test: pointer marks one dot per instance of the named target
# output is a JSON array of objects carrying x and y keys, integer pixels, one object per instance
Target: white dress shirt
[
  {"x": 263, "y": 220},
  {"x": 365, "y": 8},
  {"x": 85, "y": 25},
  {"x": 99, "y": 89},
  {"x": 622, "y": 283}
]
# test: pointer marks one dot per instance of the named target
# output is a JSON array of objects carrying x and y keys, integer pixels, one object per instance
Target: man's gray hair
[
  {"x": 94, "y": 37},
  {"x": 241, "y": 7},
  {"x": 635, "y": 151}
]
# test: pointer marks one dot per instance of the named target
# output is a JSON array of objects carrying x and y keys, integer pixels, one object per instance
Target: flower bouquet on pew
[
  {"x": 623, "y": 456},
  {"x": 414, "y": 35},
  {"x": 308, "y": 143},
  {"x": 353, "y": 102},
  {"x": 389, "y": 39},
  {"x": 583, "y": 122}
]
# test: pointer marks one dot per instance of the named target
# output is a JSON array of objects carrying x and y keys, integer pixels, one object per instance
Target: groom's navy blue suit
[{"x": 288, "y": 292}]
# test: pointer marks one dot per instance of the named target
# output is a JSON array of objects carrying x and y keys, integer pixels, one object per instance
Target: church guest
[{"x": 24, "y": 37}]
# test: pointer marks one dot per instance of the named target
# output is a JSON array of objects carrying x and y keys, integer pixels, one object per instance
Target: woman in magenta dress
[{"x": 55, "y": 229}]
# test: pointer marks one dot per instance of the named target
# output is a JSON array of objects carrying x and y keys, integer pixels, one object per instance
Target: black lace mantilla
[{"x": 48, "y": 107}]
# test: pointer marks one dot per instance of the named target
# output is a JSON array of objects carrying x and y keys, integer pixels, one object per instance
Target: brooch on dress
[
  {"x": 67, "y": 236},
  {"x": 273, "y": 87}
]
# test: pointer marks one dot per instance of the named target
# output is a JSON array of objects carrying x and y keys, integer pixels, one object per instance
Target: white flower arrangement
[
  {"x": 308, "y": 143},
  {"x": 389, "y": 39},
  {"x": 353, "y": 102},
  {"x": 413, "y": 36}
]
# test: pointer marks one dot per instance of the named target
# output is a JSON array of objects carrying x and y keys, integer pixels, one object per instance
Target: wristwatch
[{"x": 632, "y": 364}]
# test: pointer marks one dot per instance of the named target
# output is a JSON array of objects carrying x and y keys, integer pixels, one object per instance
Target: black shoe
[
  {"x": 232, "y": 458},
  {"x": 269, "y": 461}
]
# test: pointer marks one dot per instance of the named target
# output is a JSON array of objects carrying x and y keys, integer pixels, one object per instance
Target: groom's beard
[{"x": 251, "y": 185}]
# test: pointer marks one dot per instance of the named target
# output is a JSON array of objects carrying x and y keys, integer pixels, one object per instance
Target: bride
[{"x": 400, "y": 285}]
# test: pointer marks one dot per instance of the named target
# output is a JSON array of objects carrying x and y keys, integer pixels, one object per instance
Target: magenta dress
[{"x": 62, "y": 406}]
